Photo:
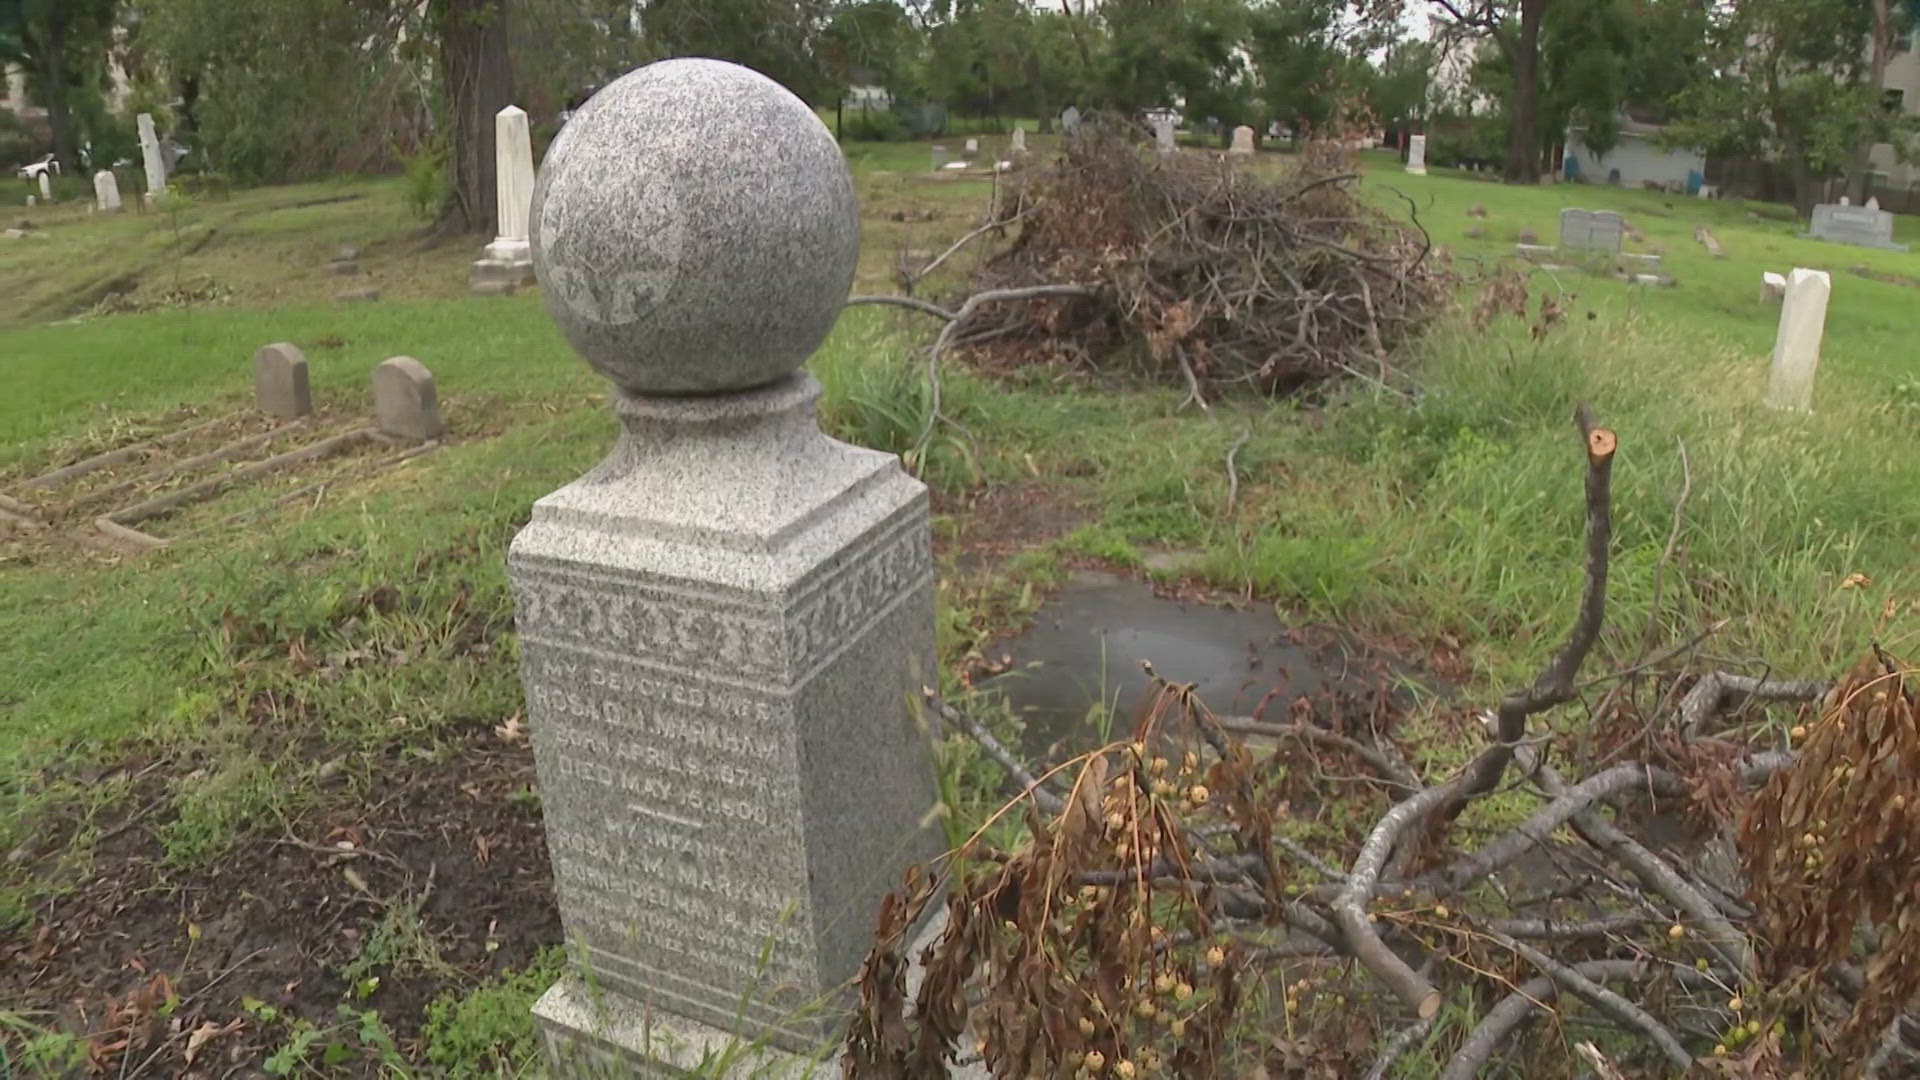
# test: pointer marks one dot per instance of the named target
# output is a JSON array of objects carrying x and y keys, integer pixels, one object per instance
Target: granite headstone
[
  {"x": 723, "y": 624},
  {"x": 1862, "y": 226},
  {"x": 1600, "y": 231},
  {"x": 1242, "y": 140},
  {"x": 1417, "y": 155},
  {"x": 405, "y": 404},
  {"x": 280, "y": 381}
]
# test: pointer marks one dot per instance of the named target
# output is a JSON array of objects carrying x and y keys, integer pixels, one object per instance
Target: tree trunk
[
  {"x": 1523, "y": 142},
  {"x": 53, "y": 90},
  {"x": 1880, "y": 45},
  {"x": 478, "y": 81}
]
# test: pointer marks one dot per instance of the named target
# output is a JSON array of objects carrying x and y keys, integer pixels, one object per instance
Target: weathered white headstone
[
  {"x": 1163, "y": 133},
  {"x": 508, "y": 261},
  {"x": 106, "y": 190},
  {"x": 156, "y": 168},
  {"x": 1796, "y": 348},
  {"x": 1242, "y": 140},
  {"x": 1773, "y": 288},
  {"x": 940, "y": 156},
  {"x": 1069, "y": 120},
  {"x": 1844, "y": 201},
  {"x": 1873, "y": 202},
  {"x": 723, "y": 624},
  {"x": 970, "y": 149},
  {"x": 1592, "y": 230},
  {"x": 1019, "y": 141},
  {"x": 1417, "y": 155},
  {"x": 46, "y": 187}
]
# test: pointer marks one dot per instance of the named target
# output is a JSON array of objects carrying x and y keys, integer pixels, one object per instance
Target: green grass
[{"x": 1448, "y": 523}]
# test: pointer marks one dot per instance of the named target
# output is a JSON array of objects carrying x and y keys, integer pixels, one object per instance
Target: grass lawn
[{"x": 180, "y": 726}]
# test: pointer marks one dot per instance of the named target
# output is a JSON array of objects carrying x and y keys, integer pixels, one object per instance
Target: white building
[{"x": 1635, "y": 160}]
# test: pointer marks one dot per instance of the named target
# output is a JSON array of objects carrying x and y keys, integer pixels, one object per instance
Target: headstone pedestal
[{"x": 723, "y": 624}]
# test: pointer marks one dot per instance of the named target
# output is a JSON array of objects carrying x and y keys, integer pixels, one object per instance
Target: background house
[{"x": 1635, "y": 160}]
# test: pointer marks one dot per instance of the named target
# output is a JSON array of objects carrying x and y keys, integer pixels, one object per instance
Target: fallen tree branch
[
  {"x": 1571, "y": 802},
  {"x": 1349, "y": 908},
  {"x": 1708, "y": 695},
  {"x": 1046, "y": 800},
  {"x": 1623, "y": 1012},
  {"x": 1397, "y": 1046},
  {"x": 1378, "y": 760},
  {"x": 1531, "y": 996}
]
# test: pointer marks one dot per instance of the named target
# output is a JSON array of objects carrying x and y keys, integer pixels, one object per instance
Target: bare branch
[
  {"x": 1397, "y": 1047},
  {"x": 1349, "y": 909},
  {"x": 1623, "y": 1012},
  {"x": 1046, "y": 800},
  {"x": 1554, "y": 685},
  {"x": 1534, "y": 994},
  {"x": 910, "y": 302},
  {"x": 1711, "y": 692},
  {"x": 1565, "y": 806}
]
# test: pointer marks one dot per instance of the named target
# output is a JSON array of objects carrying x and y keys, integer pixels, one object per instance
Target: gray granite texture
[
  {"x": 694, "y": 229},
  {"x": 405, "y": 403},
  {"x": 1592, "y": 230},
  {"x": 1863, "y": 226},
  {"x": 722, "y": 628},
  {"x": 280, "y": 381}
]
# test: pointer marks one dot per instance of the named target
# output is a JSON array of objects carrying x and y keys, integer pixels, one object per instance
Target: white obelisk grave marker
[
  {"x": 508, "y": 261},
  {"x": 724, "y": 624}
]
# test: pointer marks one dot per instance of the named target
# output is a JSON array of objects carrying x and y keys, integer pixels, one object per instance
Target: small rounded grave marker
[{"x": 694, "y": 230}]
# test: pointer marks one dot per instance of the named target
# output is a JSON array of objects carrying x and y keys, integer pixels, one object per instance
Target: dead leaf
[
  {"x": 355, "y": 880},
  {"x": 513, "y": 731},
  {"x": 208, "y": 1031}
]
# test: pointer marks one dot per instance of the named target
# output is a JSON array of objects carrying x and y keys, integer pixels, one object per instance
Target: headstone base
[
  {"x": 591, "y": 1032},
  {"x": 494, "y": 276}
]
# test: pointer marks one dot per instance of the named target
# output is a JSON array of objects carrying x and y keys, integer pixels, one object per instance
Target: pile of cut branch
[
  {"x": 1196, "y": 271},
  {"x": 1156, "y": 899}
]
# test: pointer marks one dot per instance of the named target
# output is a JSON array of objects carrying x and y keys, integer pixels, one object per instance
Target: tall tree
[
  {"x": 774, "y": 37},
  {"x": 1790, "y": 82},
  {"x": 58, "y": 42},
  {"x": 477, "y": 72},
  {"x": 1880, "y": 31},
  {"x": 1160, "y": 51},
  {"x": 1514, "y": 28},
  {"x": 1302, "y": 67}
]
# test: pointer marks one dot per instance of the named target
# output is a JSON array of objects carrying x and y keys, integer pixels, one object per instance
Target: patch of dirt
[
  {"x": 998, "y": 521},
  {"x": 280, "y": 919}
]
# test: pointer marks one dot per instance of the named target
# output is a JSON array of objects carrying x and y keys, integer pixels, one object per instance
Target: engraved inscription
[{"x": 611, "y": 260}]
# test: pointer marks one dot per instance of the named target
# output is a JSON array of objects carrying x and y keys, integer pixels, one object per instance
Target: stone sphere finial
[{"x": 694, "y": 230}]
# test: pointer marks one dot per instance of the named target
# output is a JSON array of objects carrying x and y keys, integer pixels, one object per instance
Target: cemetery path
[{"x": 382, "y": 899}]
